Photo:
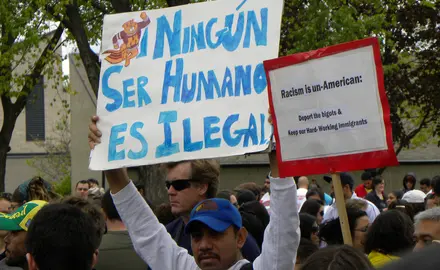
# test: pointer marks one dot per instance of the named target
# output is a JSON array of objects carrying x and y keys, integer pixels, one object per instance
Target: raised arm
[
  {"x": 282, "y": 235},
  {"x": 150, "y": 238}
]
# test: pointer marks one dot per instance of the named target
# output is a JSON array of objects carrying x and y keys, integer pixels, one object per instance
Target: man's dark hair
[
  {"x": 61, "y": 236},
  {"x": 244, "y": 196},
  {"x": 109, "y": 207},
  {"x": 224, "y": 194},
  {"x": 255, "y": 219},
  {"x": 391, "y": 234},
  {"x": 366, "y": 176},
  {"x": 430, "y": 196},
  {"x": 93, "y": 211},
  {"x": 164, "y": 214},
  {"x": 435, "y": 184},
  {"x": 426, "y": 182},
  {"x": 347, "y": 179},
  {"x": 336, "y": 258},
  {"x": 315, "y": 191},
  {"x": 254, "y": 188},
  {"x": 204, "y": 171},
  {"x": 93, "y": 180},
  {"x": 82, "y": 182},
  {"x": 305, "y": 250}
]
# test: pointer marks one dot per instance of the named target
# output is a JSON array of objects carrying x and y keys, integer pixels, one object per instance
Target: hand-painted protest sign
[
  {"x": 186, "y": 82},
  {"x": 330, "y": 110}
]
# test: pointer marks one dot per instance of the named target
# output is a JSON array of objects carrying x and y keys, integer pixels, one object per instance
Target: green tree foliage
[
  {"x": 408, "y": 31},
  {"x": 55, "y": 166},
  {"x": 83, "y": 19},
  {"x": 409, "y": 34},
  {"x": 27, "y": 44}
]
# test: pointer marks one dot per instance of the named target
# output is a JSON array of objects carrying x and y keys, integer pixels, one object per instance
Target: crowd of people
[{"x": 278, "y": 223}]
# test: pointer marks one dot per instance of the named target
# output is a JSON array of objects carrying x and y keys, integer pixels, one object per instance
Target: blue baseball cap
[{"x": 217, "y": 214}]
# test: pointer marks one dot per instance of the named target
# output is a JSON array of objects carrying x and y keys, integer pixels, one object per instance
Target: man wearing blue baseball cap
[{"x": 215, "y": 226}]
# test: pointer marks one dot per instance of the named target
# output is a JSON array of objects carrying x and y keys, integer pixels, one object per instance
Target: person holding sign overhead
[{"x": 215, "y": 226}]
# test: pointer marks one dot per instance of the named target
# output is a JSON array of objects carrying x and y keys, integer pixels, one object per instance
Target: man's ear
[
  {"x": 31, "y": 262},
  {"x": 95, "y": 258},
  {"x": 203, "y": 188},
  {"x": 241, "y": 237}
]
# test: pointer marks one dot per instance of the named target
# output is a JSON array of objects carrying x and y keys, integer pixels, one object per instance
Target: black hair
[
  {"x": 330, "y": 231},
  {"x": 406, "y": 180},
  {"x": 426, "y": 182},
  {"x": 336, "y": 258},
  {"x": 255, "y": 219},
  {"x": 109, "y": 207},
  {"x": 376, "y": 181},
  {"x": 391, "y": 233},
  {"x": 224, "y": 194},
  {"x": 6, "y": 196},
  {"x": 61, "y": 236},
  {"x": 93, "y": 180},
  {"x": 82, "y": 182},
  {"x": 93, "y": 211},
  {"x": 305, "y": 249},
  {"x": 164, "y": 214},
  {"x": 347, "y": 179},
  {"x": 429, "y": 196},
  {"x": 313, "y": 192},
  {"x": 435, "y": 184},
  {"x": 306, "y": 223},
  {"x": 398, "y": 194},
  {"x": 404, "y": 207},
  {"x": 311, "y": 207},
  {"x": 244, "y": 196}
]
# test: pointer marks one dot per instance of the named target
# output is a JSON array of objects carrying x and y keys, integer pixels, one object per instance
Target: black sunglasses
[
  {"x": 321, "y": 213},
  {"x": 179, "y": 184}
]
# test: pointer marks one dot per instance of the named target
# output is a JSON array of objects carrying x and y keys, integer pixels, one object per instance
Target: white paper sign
[
  {"x": 324, "y": 111},
  {"x": 185, "y": 82}
]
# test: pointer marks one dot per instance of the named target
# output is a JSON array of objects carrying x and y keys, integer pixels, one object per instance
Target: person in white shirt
[
  {"x": 303, "y": 188},
  {"x": 347, "y": 185},
  {"x": 217, "y": 237}
]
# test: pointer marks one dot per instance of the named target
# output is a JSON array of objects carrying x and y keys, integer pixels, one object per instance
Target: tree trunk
[
  {"x": 151, "y": 176},
  {"x": 9, "y": 119},
  {"x": 88, "y": 57},
  {"x": 154, "y": 183}
]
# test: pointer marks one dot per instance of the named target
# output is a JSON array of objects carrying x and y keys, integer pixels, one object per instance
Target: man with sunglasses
[
  {"x": 189, "y": 183},
  {"x": 215, "y": 225}
]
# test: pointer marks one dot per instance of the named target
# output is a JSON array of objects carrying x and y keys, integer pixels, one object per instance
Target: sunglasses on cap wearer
[
  {"x": 321, "y": 213},
  {"x": 179, "y": 184}
]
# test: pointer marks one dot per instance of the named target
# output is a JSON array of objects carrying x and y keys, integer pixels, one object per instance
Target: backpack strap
[{"x": 248, "y": 266}]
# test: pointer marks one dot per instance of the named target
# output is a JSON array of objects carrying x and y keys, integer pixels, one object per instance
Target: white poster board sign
[
  {"x": 329, "y": 107},
  {"x": 185, "y": 83}
]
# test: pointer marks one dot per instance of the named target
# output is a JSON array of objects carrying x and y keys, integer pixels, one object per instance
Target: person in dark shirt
[
  {"x": 116, "y": 251},
  {"x": 376, "y": 195}
]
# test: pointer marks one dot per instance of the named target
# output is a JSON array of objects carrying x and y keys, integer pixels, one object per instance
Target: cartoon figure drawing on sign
[{"x": 130, "y": 38}]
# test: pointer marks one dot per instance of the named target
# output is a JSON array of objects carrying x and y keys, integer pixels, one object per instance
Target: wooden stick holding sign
[{"x": 342, "y": 211}]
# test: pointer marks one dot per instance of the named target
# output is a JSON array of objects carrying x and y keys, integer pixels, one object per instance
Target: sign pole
[{"x": 342, "y": 211}]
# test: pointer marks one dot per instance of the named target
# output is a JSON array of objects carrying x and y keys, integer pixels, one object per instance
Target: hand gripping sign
[{"x": 330, "y": 111}]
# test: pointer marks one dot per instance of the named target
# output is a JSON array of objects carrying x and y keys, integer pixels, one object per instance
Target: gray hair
[
  {"x": 432, "y": 214},
  {"x": 356, "y": 204}
]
